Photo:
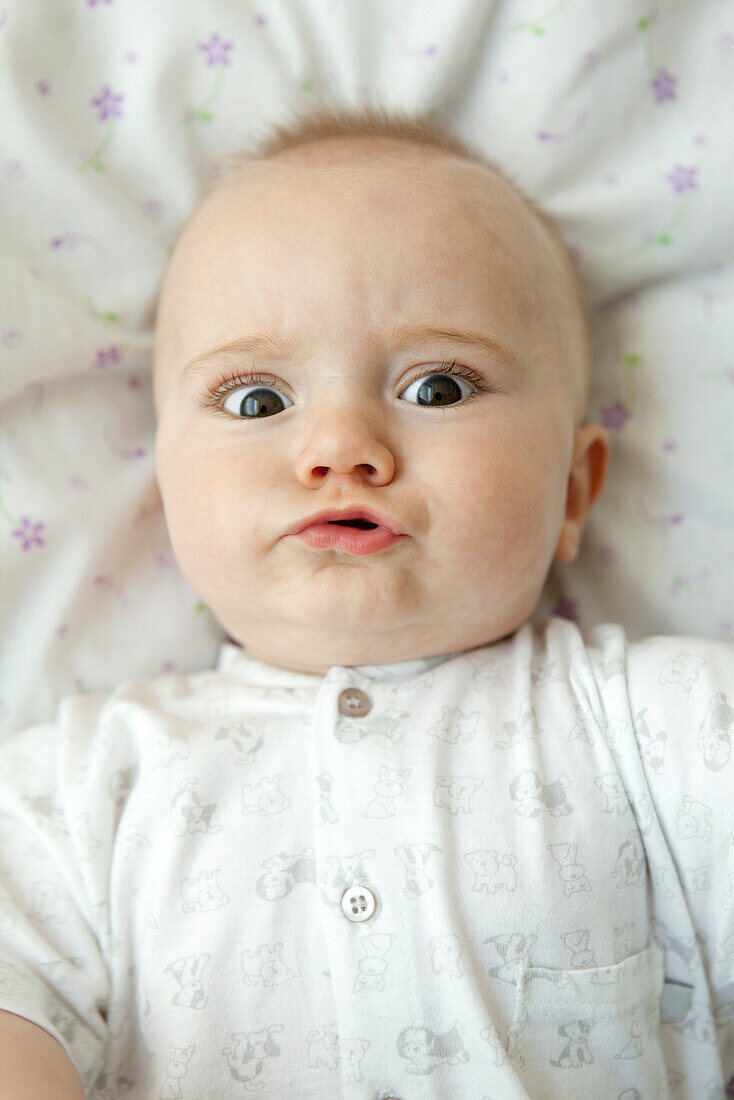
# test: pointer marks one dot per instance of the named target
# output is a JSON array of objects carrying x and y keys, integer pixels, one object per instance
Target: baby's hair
[{"x": 322, "y": 120}]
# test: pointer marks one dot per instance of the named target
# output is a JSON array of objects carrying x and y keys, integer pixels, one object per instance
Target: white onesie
[{"x": 501, "y": 873}]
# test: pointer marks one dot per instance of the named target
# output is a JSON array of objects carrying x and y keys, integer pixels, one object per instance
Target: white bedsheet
[{"x": 616, "y": 118}]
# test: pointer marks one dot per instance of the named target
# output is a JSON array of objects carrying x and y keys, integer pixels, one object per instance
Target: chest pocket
[{"x": 592, "y": 1033}]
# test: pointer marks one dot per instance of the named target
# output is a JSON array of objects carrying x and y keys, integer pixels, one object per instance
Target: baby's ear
[{"x": 585, "y": 480}]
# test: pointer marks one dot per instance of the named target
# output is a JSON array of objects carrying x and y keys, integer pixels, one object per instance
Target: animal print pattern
[{"x": 545, "y": 825}]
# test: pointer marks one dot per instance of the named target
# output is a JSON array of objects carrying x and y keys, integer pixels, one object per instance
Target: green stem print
[
  {"x": 108, "y": 106},
  {"x": 664, "y": 236},
  {"x": 534, "y": 25},
  {"x": 644, "y": 25},
  {"x": 93, "y": 160},
  {"x": 107, "y": 317},
  {"x": 217, "y": 56},
  {"x": 202, "y": 113}
]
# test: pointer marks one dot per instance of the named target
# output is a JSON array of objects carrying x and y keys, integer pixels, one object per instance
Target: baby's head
[{"x": 367, "y": 253}]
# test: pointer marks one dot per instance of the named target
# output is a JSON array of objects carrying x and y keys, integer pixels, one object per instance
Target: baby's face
[{"x": 339, "y": 252}]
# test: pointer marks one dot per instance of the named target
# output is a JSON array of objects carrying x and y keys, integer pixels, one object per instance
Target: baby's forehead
[
  {"x": 383, "y": 170},
  {"x": 396, "y": 177}
]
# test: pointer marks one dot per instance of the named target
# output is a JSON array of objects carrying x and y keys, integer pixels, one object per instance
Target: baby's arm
[{"x": 33, "y": 1064}]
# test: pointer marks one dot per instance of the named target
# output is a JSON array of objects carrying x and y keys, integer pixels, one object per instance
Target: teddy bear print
[
  {"x": 423, "y": 1049},
  {"x": 492, "y": 871},
  {"x": 536, "y": 797},
  {"x": 693, "y": 820}
]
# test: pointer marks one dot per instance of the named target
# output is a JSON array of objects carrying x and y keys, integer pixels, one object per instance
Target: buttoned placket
[{"x": 359, "y": 902}]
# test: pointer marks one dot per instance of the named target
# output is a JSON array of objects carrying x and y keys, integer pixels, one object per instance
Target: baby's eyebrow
[{"x": 273, "y": 345}]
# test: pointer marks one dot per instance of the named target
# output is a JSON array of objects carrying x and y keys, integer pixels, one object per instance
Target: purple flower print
[
  {"x": 29, "y": 533},
  {"x": 104, "y": 358},
  {"x": 217, "y": 56},
  {"x": 93, "y": 3},
  {"x": 682, "y": 179},
  {"x": 108, "y": 104},
  {"x": 216, "y": 50},
  {"x": 615, "y": 416},
  {"x": 664, "y": 85}
]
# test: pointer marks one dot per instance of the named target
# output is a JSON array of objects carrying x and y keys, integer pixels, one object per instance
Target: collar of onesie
[{"x": 234, "y": 661}]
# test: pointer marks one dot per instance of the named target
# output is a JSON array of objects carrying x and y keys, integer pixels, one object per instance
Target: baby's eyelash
[{"x": 212, "y": 397}]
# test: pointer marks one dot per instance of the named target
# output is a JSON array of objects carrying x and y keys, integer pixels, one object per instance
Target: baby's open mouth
[{"x": 364, "y": 524}]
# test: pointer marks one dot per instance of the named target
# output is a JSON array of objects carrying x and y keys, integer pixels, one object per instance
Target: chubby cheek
[
  {"x": 498, "y": 503},
  {"x": 211, "y": 511}
]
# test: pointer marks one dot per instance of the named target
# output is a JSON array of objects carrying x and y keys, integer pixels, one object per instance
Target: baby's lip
[{"x": 348, "y": 512}]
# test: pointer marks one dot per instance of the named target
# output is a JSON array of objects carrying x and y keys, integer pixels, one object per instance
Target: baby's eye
[
  {"x": 438, "y": 389},
  {"x": 252, "y": 402},
  {"x": 435, "y": 388}
]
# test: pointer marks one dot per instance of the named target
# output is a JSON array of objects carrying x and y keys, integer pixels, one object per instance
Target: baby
[{"x": 401, "y": 842}]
